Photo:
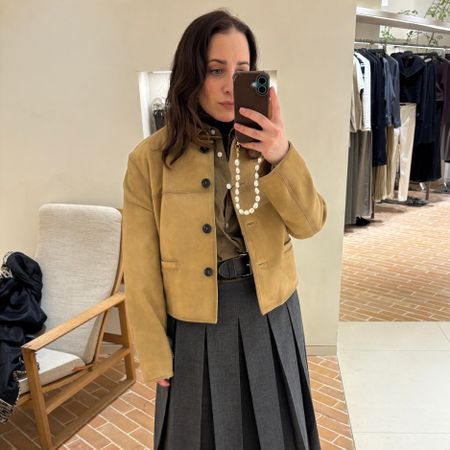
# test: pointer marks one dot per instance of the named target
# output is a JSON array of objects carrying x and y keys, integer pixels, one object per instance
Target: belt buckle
[
  {"x": 247, "y": 264},
  {"x": 240, "y": 255}
]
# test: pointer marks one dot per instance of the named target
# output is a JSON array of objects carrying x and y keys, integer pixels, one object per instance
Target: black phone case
[{"x": 245, "y": 95}]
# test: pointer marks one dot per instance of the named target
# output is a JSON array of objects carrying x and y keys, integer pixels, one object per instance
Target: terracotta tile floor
[
  {"x": 397, "y": 268},
  {"x": 128, "y": 422}
]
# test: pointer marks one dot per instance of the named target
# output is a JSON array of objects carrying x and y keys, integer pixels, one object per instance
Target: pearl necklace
[{"x": 255, "y": 184}]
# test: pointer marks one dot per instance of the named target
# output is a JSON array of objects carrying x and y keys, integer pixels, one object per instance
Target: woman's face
[{"x": 227, "y": 53}]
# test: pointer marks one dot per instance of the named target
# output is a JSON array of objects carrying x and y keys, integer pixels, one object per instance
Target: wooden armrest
[{"x": 64, "y": 328}]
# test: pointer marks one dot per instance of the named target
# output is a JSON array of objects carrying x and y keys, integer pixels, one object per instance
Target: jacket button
[
  {"x": 208, "y": 271},
  {"x": 207, "y": 228},
  {"x": 204, "y": 149},
  {"x": 206, "y": 183}
]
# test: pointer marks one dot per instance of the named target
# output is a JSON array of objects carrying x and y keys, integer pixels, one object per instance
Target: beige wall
[{"x": 69, "y": 110}]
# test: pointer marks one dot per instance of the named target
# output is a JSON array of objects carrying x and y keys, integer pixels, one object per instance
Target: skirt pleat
[
  {"x": 186, "y": 389},
  {"x": 224, "y": 375},
  {"x": 249, "y": 427},
  {"x": 207, "y": 433},
  {"x": 297, "y": 326},
  {"x": 291, "y": 441},
  {"x": 285, "y": 347},
  {"x": 240, "y": 384},
  {"x": 263, "y": 383}
]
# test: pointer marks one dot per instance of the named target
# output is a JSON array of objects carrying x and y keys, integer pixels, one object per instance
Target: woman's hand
[
  {"x": 164, "y": 382},
  {"x": 273, "y": 143}
]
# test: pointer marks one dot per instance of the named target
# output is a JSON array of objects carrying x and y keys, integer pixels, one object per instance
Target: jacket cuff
[
  {"x": 290, "y": 189},
  {"x": 274, "y": 166}
]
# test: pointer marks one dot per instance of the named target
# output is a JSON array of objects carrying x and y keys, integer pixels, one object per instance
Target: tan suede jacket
[{"x": 170, "y": 256}]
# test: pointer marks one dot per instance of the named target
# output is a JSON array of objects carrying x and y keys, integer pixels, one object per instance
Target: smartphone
[{"x": 251, "y": 90}]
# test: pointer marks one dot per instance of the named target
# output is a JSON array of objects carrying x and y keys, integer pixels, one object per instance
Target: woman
[{"x": 211, "y": 289}]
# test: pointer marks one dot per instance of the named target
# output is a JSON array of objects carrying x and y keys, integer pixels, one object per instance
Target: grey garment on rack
[
  {"x": 388, "y": 92},
  {"x": 359, "y": 177},
  {"x": 393, "y": 101},
  {"x": 445, "y": 142}
]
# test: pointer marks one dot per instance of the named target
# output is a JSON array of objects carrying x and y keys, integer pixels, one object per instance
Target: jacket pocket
[
  {"x": 169, "y": 264},
  {"x": 171, "y": 282},
  {"x": 288, "y": 265}
]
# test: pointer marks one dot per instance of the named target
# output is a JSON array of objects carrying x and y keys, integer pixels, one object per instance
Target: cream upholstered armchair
[{"x": 79, "y": 252}]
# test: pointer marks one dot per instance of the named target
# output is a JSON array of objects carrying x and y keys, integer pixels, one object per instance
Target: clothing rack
[
  {"x": 425, "y": 187},
  {"x": 398, "y": 44},
  {"x": 445, "y": 49},
  {"x": 396, "y": 20}
]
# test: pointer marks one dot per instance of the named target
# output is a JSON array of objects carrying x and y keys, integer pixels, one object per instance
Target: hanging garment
[
  {"x": 406, "y": 144},
  {"x": 447, "y": 96},
  {"x": 359, "y": 177},
  {"x": 445, "y": 142},
  {"x": 446, "y": 172},
  {"x": 379, "y": 182},
  {"x": 392, "y": 92},
  {"x": 356, "y": 106},
  {"x": 378, "y": 105},
  {"x": 426, "y": 165},
  {"x": 443, "y": 95},
  {"x": 381, "y": 173},
  {"x": 418, "y": 85},
  {"x": 21, "y": 317},
  {"x": 443, "y": 87},
  {"x": 240, "y": 384},
  {"x": 411, "y": 68},
  {"x": 393, "y": 153},
  {"x": 366, "y": 95}
]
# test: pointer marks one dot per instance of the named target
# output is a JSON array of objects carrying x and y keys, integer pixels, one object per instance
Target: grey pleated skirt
[{"x": 240, "y": 384}]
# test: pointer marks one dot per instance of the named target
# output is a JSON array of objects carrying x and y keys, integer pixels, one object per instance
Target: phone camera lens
[
  {"x": 262, "y": 80},
  {"x": 262, "y": 90}
]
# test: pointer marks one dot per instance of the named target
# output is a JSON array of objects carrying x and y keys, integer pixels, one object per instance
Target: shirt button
[
  {"x": 226, "y": 225},
  {"x": 228, "y": 186},
  {"x": 207, "y": 228},
  {"x": 208, "y": 271},
  {"x": 204, "y": 149},
  {"x": 219, "y": 154},
  {"x": 206, "y": 183},
  {"x": 212, "y": 131}
]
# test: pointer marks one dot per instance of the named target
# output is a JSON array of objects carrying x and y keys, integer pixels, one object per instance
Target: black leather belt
[{"x": 233, "y": 268}]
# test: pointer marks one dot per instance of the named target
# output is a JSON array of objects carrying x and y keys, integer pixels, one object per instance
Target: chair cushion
[
  {"x": 53, "y": 365},
  {"x": 78, "y": 249}
]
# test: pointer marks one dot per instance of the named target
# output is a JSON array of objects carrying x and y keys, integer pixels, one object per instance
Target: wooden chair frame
[{"x": 81, "y": 376}]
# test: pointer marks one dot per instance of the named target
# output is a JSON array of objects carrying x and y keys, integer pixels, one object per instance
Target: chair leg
[
  {"x": 37, "y": 399},
  {"x": 43, "y": 427},
  {"x": 130, "y": 368}
]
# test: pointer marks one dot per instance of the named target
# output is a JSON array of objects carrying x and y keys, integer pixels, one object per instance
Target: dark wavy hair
[{"x": 189, "y": 67}]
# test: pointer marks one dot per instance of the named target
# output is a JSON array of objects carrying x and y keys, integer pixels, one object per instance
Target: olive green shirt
[{"x": 230, "y": 241}]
